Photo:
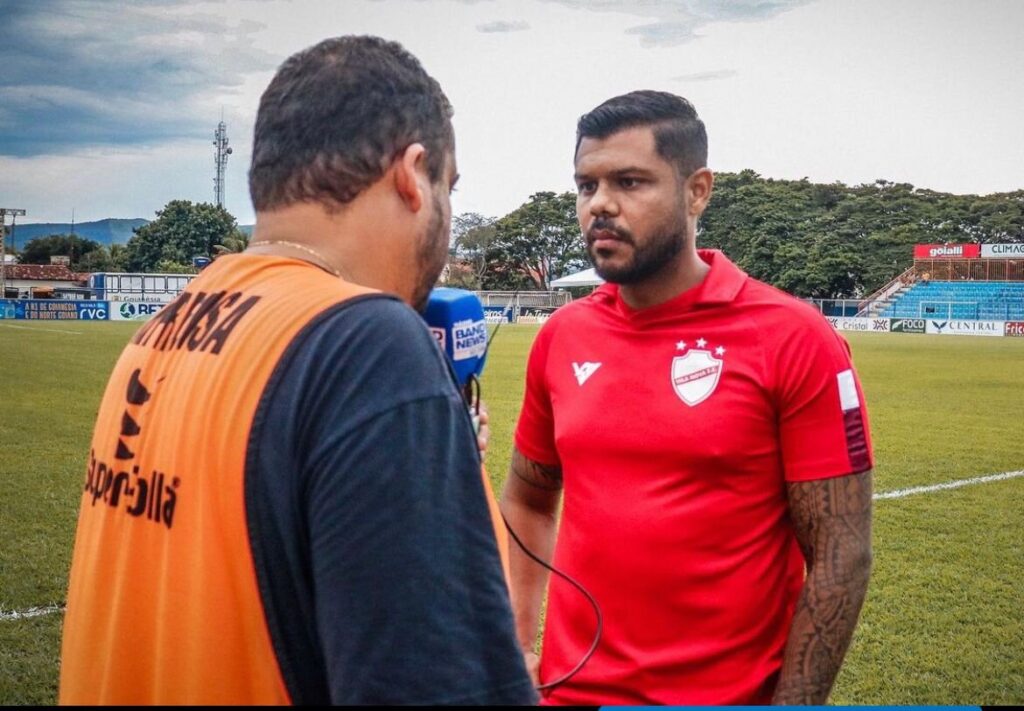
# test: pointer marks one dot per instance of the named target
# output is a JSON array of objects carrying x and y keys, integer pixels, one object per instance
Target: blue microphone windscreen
[{"x": 456, "y": 319}]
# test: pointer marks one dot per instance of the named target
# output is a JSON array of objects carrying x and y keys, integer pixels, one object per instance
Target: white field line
[
  {"x": 898, "y": 494},
  {"x": 34, "y": 328},
  {"x": 30, "y": 612}
]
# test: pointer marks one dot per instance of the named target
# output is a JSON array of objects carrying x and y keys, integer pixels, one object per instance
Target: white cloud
[
  {"x": 503, "y": 26},
  {"x": 712, "y": 75},
  {"x": 848, "y": 90}
]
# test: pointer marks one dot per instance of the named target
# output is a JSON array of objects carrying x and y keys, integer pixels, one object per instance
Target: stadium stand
[{"x": 998, "y": 301}]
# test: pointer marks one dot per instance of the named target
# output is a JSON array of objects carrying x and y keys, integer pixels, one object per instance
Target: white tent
[{"x": 588, "y": 277}]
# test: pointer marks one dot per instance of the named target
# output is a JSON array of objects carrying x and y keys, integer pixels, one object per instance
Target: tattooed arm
[
  {"x": 529, "y": 502},
  {"x": 832, "y": 518}
]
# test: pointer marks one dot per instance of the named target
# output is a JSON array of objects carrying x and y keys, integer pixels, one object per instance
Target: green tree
[
  {"x": 97, "y": 260},
  {"x": 235, "y": 243},
  {"x": 182, "y": 230},
  {"x": 472, "y": 235},
  {"x": 40, "y": 249},
  {"x": 537, "y": 242},
  {"x": 834, "y": 240},
  {"x": 118, "y": 258},
  {"x": 810, "y": 239},
  {"x": 169, "y": 266}
]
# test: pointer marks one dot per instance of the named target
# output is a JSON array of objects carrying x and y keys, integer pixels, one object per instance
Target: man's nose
[{"x": 603, "y": 202}]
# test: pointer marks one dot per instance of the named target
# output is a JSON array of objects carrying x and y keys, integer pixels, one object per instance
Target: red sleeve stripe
[{"x": 856, "y": 441}]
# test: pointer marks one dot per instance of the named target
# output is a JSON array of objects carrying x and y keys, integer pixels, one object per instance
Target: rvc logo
[{"x": 92, "y": 313}]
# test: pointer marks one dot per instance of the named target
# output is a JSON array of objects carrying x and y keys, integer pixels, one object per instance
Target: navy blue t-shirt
[{"x": 373, "y": 544}]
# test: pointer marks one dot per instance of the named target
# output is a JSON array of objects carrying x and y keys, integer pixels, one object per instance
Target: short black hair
[
  {"x": 336, "y": 115},
  {"x": 679, "y": 133}
]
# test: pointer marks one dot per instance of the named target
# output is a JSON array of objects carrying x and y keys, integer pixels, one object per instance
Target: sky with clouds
[{"x": 108, "y": 107}]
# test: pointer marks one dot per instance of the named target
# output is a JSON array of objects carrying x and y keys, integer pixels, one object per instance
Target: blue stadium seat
[{"x": 985, "y": 300}]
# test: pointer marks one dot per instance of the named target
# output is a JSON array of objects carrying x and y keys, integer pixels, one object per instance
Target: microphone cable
[
  {"x": 590, "y": 598},
  {"x": 472, "y": 393}
]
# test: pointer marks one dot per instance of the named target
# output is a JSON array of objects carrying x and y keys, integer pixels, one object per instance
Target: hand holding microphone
[{"x": 483, "y": 432}]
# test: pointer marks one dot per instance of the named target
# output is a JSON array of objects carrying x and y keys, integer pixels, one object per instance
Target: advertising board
[
  {"x": 134, "y": 310},
  {"x": 54, "y": 310},
  {"x": 1002, "y": 251},
  {"x": 964, "y": 328},
  {"x": 529, "y": 314},
  {"x": 947, "y": 251},
  {"x": 908, "y": 325},
  {"x": 860, "y": 324},
  {"x": 497, "y": 314}
]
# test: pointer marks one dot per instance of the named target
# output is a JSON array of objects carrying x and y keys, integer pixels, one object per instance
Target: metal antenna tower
[
  {"x": 220, "y": 140},
  {"x": 4, "y": 212}
]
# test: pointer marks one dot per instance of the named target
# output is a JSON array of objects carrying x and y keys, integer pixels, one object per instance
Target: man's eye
[
  {"x": 628, "y": 182},
  {"x": 588, "y": 187}
]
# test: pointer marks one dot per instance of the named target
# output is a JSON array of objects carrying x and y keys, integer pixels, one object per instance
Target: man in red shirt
[{"x": 710, "y": 436}]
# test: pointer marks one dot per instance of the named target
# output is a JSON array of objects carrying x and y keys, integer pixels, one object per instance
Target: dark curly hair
[
  {"x": 336, "y": 115},
  {"x": 678, "y": 132}
]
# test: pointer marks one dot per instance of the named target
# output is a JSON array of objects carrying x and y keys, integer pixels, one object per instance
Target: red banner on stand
[{"x": 947, "y": 251}]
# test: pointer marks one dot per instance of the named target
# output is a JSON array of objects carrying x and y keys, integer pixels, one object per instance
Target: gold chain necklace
[{"x": 325, "y": 264}]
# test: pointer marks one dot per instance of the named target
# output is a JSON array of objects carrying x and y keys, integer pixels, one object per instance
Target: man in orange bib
[{"x": 283, "y": 500}]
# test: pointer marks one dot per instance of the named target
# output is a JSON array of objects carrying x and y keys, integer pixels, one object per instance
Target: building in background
[{"x": 45, "y": 281}]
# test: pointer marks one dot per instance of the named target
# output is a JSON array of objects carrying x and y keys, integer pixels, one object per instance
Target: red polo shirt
[{"x": 677, "y": 428}]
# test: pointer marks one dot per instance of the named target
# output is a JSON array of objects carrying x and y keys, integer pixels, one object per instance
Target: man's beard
[
  {"x": 660, "y": 249},
  {"x": 432, "y": 253}
]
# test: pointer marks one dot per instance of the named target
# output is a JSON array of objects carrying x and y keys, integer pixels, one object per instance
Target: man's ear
[
  {"x": 698, "y": 187},
  {"x": 408, "y": 167}
]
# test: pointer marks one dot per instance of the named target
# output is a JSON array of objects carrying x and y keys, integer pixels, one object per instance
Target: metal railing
[
  {"x": 886, "y": 291},
  {"x": 527, "y": 299},
  {"x": 843, "y": 308},
  {"x": 970, "y": 269}
]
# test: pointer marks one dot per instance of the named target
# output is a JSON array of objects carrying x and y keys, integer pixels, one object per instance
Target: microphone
[{"x": 456, "y": 320}]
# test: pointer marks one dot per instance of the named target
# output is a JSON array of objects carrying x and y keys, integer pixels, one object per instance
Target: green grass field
[{"x": 942, "y": 623}]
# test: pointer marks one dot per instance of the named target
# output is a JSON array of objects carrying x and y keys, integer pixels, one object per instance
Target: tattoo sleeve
[
  {"x": 530, "y": 505},
  {"x": 540, "y": 476},
  {"x": 832, "y": 518}
]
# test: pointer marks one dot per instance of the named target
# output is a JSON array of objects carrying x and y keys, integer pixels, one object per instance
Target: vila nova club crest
[{"x": 695, "y": 373}]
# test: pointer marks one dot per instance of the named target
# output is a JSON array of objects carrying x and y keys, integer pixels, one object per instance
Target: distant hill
[{"x": 107, "y": 232}]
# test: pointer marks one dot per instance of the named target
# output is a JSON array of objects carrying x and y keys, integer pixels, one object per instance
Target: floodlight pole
[
  {"x": 4, "y": 212},
  {"x": 220, "y": 140}
]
